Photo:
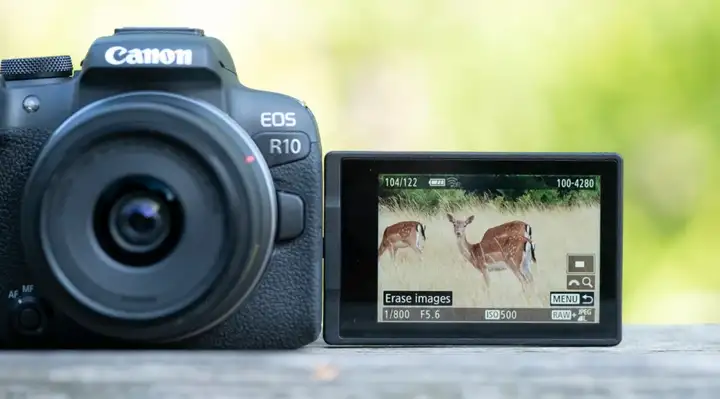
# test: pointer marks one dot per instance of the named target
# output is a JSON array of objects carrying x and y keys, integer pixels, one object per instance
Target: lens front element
[{"x": 138, "y": 221}]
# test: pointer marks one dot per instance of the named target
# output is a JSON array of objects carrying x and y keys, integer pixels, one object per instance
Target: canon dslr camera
[{"x": 149, "y": 199}]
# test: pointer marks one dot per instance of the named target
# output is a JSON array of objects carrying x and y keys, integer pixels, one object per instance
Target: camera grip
[{"x": 19, "y": 148}]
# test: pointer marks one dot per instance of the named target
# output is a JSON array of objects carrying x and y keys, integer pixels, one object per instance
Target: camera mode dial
[{"x": 36, "y": 68}]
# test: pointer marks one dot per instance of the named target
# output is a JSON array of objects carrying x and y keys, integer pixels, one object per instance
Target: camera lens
[
  {"x": 137, "y": 221},
  {"x": 142, "y": 221}
]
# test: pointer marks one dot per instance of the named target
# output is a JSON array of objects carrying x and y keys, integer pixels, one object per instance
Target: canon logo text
[{"x": 118, "y": 55}]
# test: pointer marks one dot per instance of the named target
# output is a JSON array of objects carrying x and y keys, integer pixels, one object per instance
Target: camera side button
[
  {"x": 291, "y": 215},
  {"x": 28, "y": 316},
  {"x": 282, "y": 147},
  {"x": 29, "y": 319}
]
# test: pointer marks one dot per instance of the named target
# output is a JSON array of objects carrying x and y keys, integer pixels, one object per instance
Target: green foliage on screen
[
  {"x": 431, "y": 201},
  {"x": 543, "y": 194}
]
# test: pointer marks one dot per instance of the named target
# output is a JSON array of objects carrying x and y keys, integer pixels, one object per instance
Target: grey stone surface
[{"x": 652, "y": 362}]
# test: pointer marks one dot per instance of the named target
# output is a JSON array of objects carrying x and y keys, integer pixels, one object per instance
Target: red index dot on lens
[{"x": 249, "y": 159}]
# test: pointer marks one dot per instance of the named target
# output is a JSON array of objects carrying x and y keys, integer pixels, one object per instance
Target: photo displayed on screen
[{"x": 488, "y": 248}]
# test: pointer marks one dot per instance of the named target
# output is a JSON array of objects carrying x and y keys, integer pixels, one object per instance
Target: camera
[
  {"x": 149, "y": 199},
  {"x": 473, "y": 248}
]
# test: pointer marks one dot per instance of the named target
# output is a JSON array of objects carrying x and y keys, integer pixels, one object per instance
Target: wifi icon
[{"x": 452, "y": 182}]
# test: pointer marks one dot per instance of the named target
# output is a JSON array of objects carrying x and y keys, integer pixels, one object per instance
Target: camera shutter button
[{"x": 282, "y": 147}]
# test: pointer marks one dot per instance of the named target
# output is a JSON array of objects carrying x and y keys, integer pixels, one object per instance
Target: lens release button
[
  {"x": 282, "y": 147},
  {"x": 291, "y": 212}
]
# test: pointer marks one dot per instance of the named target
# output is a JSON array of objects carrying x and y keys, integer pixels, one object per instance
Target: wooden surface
[{"x": 652, "y": 362}]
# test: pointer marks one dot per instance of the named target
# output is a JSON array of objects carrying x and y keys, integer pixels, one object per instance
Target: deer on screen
[
  {"x": 514, "y": 228},
  {"x": 515, "y": 251},
  {"x": 408, "y": 234}
]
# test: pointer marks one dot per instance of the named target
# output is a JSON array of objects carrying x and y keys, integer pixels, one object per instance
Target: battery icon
[{"x": 436, "y": 182}]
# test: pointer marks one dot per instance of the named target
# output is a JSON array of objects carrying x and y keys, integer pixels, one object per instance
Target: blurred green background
[{"x": 637, "y": 77}]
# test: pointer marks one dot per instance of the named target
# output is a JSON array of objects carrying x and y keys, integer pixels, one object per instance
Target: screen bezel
[{"x": 351, "y": 184}]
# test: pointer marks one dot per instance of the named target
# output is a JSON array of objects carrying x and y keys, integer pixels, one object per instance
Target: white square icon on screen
[{"x": 580, "y": 263}]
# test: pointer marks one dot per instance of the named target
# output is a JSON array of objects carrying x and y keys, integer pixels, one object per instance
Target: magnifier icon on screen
[{"x": 587, "y": 282}]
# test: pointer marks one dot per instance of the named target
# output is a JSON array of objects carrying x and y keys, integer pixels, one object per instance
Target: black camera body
[{"x": 151, "y": 200}]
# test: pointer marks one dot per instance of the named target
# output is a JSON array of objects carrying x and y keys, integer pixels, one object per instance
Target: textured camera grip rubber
[{"x": 18, "y": 150}]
